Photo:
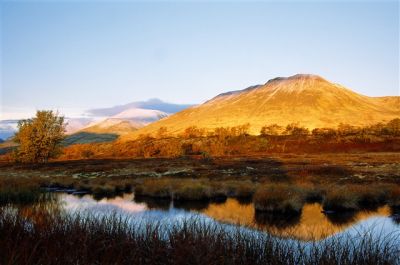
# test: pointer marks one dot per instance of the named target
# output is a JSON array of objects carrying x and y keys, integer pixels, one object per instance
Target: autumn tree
[
  {"x": 162, "y": 132},
  {"x": 221, "y": 133},
  {"x": 193, "y": 132},
  {"x": 393, "y": 127},
  {"x": 296, "y": 130},
  {"x": 271, "y": 130},
  {"x": 240, "y": 130},
  {"x": 347, "y": 130},
  {"x": 325, "y": 133},
  {"x": 39, "y": 138}
]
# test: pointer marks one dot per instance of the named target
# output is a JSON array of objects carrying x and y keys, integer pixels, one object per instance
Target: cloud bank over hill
[{"x": 152, "y": 104}]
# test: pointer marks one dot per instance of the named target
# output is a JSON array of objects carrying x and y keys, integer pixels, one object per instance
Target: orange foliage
[{"x": 237, "y": 141}]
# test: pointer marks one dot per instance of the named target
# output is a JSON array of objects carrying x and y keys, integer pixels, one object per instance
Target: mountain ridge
[{"x": 153, "y": 103}]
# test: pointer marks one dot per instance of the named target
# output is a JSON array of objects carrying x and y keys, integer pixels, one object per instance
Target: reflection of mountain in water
[{"x": 311, "y": 224}]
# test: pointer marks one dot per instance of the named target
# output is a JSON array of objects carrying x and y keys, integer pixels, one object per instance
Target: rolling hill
[
  {"x": 126, "y": 121},
  {"x": 308, "y": 100}
]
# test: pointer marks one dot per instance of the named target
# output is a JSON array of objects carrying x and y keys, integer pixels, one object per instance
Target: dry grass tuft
[{"x": 279, "y": 198}]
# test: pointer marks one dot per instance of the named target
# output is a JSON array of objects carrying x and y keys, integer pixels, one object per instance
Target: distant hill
[
  {"x": 76, "y": 124},
  {"x": 7, "y": 146},
  {"x": 126, "y": 121},
  {"x": 308, "y": 100},
  {"x": 7, "y": 128}
]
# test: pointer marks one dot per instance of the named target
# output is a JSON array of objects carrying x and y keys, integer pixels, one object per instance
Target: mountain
[
  {"x": 76, "y": 124},
  {"x": 126, "y": 121},
  {"x": 308, "y": 100},
  {"x": 153, "y": 104},
  {"x": 8, "y": 128},
  {"x": 391, "y": 102}
]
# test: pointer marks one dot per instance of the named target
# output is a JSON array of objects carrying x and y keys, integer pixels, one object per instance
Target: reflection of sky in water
[
  {"x": 312, "y": 224},
  {"x": 380, "y": 226},
  {"x": 125, "y": 203},
  {"x": 124, "y": 206}
]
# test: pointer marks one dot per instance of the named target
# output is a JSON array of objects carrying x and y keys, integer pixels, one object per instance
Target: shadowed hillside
[{"x": 87, "y": 138}]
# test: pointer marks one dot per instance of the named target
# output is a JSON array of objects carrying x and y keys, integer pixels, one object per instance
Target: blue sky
[{"x": 79, "y": 55}]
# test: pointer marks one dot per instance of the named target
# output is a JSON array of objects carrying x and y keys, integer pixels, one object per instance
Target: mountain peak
[
  {"x": 306, "y": 76},
  {"x": 297, "y": 77}
]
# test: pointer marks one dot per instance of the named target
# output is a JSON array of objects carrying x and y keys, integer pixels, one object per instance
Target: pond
[{"x": 311, "y": 225}]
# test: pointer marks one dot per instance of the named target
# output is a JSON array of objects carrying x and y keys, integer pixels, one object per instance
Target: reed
[
  {"x": 19, "y": 191},
  {"x": 85, "y": 239}
]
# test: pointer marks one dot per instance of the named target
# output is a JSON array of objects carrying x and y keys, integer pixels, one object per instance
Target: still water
[{"x": 310, "y": 225}]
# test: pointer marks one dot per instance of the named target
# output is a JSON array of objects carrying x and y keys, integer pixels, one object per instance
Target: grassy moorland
[{"x": 80, "y": 239}]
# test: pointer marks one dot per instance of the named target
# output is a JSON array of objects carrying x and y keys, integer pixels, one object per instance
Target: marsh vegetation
[{"x": 271, "y": 195}]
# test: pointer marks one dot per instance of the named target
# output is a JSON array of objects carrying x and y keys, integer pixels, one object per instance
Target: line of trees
[{"x": 392, "y": 128}]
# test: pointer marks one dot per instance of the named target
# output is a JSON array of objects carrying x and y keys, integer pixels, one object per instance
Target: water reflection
[
  {"x": 153, "y": 203},
  {"x": 193, "y": 205},
  {"x": 395, "y": 215},
  {"x": 311, "y": 224},
  {"x": 270, "y": 221},
  {"x": 87, "y": 202},
  {"x": 342, "y": 218}
]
